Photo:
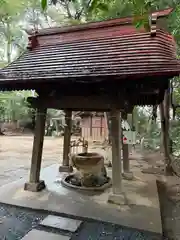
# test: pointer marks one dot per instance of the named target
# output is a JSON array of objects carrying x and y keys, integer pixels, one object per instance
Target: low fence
[{"x": 79, "y": 146}]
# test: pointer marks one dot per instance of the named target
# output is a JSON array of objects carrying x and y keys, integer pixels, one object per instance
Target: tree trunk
[
  {"x": 164, "y": 114},
  {"x": 13, "y": 111},
  {"x": 8, "y": 50},
  {"x": 1, "y": 133}
]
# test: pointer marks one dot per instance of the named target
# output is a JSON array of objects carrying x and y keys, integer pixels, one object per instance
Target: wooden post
[
  {"x": 101, "y": 128},
  {"x": 35, "y": 184},
  {"x": 125, "y": 157},
  {"x": 109, "y": 126},
  {"x": 116, "y": 196},
  {"x": 91, "y": 126},
  {"x": 125, "y": 150},
  {"x": 67, "y": 141}
]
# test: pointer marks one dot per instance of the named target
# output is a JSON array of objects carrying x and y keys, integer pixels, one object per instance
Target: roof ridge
[{"x": 94, "y": 25}]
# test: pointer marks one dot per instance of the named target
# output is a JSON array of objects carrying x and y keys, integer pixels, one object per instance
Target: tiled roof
[
  {"x": 123, "y": 56},
  {"x": 113, "y": 48}
]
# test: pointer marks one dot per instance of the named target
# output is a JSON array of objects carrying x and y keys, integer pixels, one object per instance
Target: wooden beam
[{"x": 76, "y": 103}]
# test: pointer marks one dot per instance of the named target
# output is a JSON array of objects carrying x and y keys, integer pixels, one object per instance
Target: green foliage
[
  {"x": 44, "y": 4},
  {"x": 97, "y": 5},
  {"x": 13, "y": 105}
]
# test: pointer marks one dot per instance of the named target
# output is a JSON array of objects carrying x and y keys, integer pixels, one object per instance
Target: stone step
[
  {"x": 37, "y": 235},
  {"x": 62, "y": 223}
]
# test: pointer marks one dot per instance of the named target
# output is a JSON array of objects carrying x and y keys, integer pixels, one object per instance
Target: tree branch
[
  {"x": 79, "y": 14},
  {"x": 67, "y": 9}
]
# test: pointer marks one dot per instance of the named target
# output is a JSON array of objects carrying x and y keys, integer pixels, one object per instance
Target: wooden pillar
[
  {"x": 67, "y": 141},
  {"x": 116, "y": 197},
  {"x": 125, "y": 150},
  {"x": 35, "y": 184},
  {"x": 91, "y": 126},
  {"x": 101, "y": 128}
]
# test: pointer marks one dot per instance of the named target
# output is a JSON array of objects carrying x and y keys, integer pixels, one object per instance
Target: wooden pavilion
[{"x": 99, "y": 66}]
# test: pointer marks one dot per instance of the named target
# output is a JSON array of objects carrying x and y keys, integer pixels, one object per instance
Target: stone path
[
  {"x": 89, "y": 231},
  {"x": 51, "y": 221},
  {"x": 66, "y": 224},
  {"x": 37, "y": 235},
  {"x": 25, "y": 224}
]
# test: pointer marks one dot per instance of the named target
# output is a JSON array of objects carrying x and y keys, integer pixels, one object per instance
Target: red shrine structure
[{"x": 100, "y": 66}]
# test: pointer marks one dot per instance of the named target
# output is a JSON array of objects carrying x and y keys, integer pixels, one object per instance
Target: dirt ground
[
  {"x": 15, "y": 155},
  {"x": 15, "y": 160},
  {"x": 16, "y": 152}
]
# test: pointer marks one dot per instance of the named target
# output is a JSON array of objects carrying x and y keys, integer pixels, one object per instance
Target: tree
[{"x": 10, "y": 34}]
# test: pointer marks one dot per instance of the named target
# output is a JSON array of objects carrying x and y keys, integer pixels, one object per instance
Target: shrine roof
[{"x": 110, "y": 48}]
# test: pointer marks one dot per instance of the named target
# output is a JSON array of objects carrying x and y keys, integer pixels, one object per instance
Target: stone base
[
  {"x": 118, "y": 199},
  {"x": 34, "y": 187},
  {"x": 128, "y": 175},
  {"x": 67, "y": 169},
  {"x": 109, "y": 164},
  {"x": 65, "y": 183}
]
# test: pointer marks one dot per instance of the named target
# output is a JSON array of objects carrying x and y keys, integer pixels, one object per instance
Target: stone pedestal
[
  {"x": 67, "y": 169},
  {"x": 128, "y": 175},
  {"x": 169, "y": 201},
  {"x": 34, "y": 187},
  {"x": 118, "y": 199}
]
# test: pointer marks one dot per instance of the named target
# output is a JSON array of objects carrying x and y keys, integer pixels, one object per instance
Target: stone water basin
[{"x": 91, "y": 172}]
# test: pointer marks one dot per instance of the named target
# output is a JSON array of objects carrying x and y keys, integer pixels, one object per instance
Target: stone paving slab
[
  {"x": 37, "y": 235},
  {"x": 66, "y": 224}
]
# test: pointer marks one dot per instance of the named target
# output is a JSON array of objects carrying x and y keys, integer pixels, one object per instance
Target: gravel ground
[
  {"x": 106, "y": 231},
  {"x": 16, "y": 222}
]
